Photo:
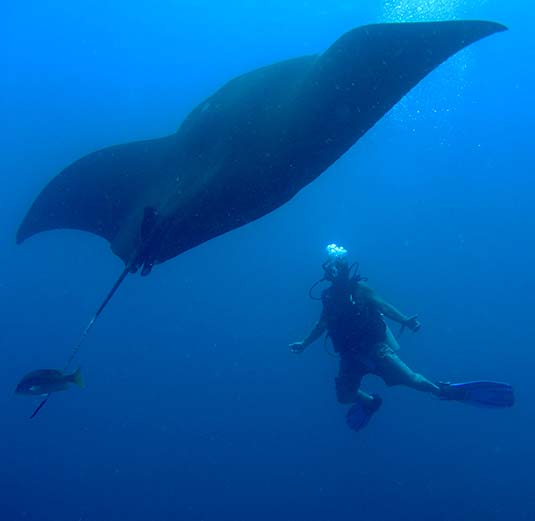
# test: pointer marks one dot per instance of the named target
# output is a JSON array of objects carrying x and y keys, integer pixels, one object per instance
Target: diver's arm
[
  {"x": 388, "y": 310},
  {"x": 317, "y": 331}
]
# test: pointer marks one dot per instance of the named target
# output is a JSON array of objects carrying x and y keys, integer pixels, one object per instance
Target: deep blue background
[{"x": 194, "y": 408}]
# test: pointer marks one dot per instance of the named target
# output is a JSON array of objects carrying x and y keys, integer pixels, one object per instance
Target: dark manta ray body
[
  {"x": 244, "y": 151},
  {"x": 248, "y": 148}
]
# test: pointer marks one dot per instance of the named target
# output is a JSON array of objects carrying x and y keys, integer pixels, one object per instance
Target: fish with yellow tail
[{"x": 46, "y": 381}]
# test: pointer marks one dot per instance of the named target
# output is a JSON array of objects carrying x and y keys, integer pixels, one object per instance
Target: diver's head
[{"x": 336, "y": 267}]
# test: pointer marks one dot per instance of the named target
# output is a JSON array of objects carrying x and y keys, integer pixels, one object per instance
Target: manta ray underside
[{"x": 248, "y": 148}]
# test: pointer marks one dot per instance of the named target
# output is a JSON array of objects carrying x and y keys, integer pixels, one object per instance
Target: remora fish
[{"x": 46, "y": 381}]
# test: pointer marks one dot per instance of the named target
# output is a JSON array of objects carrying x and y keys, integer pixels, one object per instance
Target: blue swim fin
[
  {"x": 360, "y": 414},
  {"x": 479, "y": 393}
]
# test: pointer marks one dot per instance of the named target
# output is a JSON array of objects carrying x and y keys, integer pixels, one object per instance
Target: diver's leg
[
  {"x": 363, "y": 397},
  {"x": 363, "y": 405},
  {"x": 391, "y": 339},
  {"x": 394, "y": 371},
  {"x": 348, "y": 382}
]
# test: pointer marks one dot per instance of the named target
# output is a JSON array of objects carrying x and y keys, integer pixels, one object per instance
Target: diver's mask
[{"x": 336, "y": 270}]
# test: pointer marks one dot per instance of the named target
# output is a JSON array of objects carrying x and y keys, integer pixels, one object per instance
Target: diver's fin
[
  {"x": 479, "y": 393},
  {"x": 360, "y": 414},
  {"x": 76, "y": 378}
]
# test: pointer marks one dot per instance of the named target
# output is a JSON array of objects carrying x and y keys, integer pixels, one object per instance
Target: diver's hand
[
  {"x": 297, "y": 347},
  {"x": 413, "y": 324}
]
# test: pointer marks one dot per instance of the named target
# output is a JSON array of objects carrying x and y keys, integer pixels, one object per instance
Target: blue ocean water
[{"x": 194, "y": 407}]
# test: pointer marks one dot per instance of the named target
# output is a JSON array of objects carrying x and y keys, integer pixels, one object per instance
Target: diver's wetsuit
[{"x": 358, "y": 334}]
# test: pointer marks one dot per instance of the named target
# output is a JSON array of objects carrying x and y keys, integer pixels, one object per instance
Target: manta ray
[
  {"x": 248, "y": 148},
  {"x": 244, "y": 151}
]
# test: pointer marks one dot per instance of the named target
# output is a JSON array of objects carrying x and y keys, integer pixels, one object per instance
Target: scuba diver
[{"x": 352, "y": 317}]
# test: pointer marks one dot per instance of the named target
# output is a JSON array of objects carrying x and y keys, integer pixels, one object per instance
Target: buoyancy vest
[{"x": 353, "y": 322}]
